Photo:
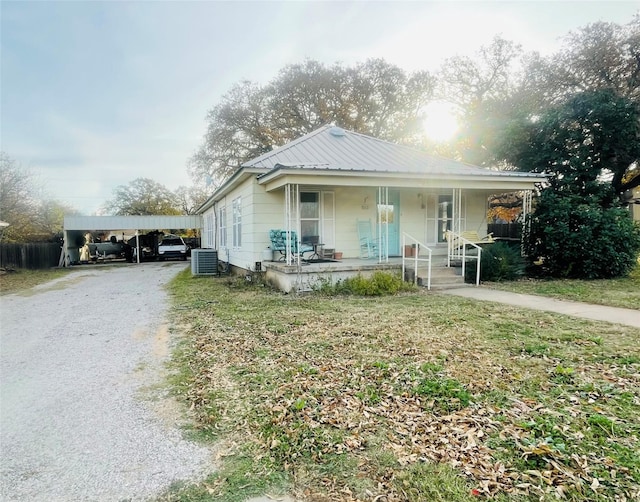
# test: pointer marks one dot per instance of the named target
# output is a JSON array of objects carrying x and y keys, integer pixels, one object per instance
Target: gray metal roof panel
[{"x": 353, "y": 151}]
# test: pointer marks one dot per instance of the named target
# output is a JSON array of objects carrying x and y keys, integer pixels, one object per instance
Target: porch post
[
  {"x": 292, "y": 218},
  {"x": 62, "y": 262},
  {"x": 287, "y": 221},
  {"x": 456, "y": 210},
  {"x": 383, "y": 226}
]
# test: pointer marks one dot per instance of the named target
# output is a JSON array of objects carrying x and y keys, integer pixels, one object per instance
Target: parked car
[
  {"x": 148, "y": 244},
  {"x": 172, "y": 246}
]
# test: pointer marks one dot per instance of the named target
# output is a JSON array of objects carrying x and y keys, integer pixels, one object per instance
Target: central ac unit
[{"x": 204, "y": 262}]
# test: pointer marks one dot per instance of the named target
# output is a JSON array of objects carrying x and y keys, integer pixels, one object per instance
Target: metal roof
[
  {"x": 131, "y": 222},
  {"x": 333, "y": 148}
]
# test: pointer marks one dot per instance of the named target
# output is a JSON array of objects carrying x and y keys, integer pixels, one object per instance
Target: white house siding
[
  {"x": 418, "y": 215},
  {"x": 268, "y": 212},
  {"x": 350, "y": 207},
  {"x": 263, "y": 211},
  {"x": 476, "y": 214},
  {"x": 240, "y": 256}
]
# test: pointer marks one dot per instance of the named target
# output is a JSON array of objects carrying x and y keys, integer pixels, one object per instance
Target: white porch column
[
  {"x": 456, "y": 211},
  {"x": 292, "y": 218},
  {"x": 383, "y": 226}
]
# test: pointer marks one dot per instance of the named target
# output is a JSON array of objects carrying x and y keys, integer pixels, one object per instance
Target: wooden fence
[{"x": 33, "y": 255}]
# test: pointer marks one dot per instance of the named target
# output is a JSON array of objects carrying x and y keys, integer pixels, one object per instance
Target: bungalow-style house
[{"x": 348, "y": 194}]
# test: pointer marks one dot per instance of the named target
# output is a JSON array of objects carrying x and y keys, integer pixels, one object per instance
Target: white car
[{"x": 172, "y": 246}]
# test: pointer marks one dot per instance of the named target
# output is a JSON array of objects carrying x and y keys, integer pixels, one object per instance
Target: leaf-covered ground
[{"x": 415, "y": 397}]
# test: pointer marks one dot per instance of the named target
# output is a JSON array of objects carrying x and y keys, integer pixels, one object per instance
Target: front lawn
[
  {"x": 624, "y": 292},
  {"x": 420, "y": 397},
  {"x": 23, "y": 279}
]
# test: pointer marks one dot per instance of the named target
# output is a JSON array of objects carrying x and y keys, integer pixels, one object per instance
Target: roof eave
[
  {"x": 280, "y": 171},
  {"x": 240, "y": 175}
]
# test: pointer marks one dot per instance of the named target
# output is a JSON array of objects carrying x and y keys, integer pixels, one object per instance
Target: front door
[
  {"x": 389, "y": 215},
  {"x": 445, "y": 216}
]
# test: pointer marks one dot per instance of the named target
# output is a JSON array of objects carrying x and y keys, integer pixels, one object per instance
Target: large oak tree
[
  {"x": 143, "y": 196},
  {"x": 373, "y": 97}
]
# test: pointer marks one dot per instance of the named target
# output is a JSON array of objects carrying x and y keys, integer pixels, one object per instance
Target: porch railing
[
  {"x": 457, "y": 250},
  {"x": 409, "y": 242}
]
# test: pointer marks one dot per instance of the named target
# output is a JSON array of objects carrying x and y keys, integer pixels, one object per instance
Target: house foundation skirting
[{"x": 293, "y": 278}]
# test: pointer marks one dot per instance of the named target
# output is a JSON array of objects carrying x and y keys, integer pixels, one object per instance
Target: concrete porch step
[{"x": 441, "y": 277}]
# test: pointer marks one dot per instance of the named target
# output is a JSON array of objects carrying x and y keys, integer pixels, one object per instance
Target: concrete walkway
[{"x": 628, "y": 317}]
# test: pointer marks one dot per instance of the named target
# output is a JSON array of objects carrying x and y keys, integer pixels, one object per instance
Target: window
[
  {"x": 445, "y": 216},
  {"x": 237, "y": 222},
  {"x": 309, "y": 215},
  {"x": 209, "y": 230},
  {"x": 222, "y": 213}
]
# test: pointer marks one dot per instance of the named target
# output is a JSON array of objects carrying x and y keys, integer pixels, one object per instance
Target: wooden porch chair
[{"x": 368, "y": 245}]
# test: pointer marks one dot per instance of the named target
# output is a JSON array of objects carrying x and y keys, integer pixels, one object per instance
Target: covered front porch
[
  {"x": 343, "y": 219},
  {"x": 305, "y": 275}
]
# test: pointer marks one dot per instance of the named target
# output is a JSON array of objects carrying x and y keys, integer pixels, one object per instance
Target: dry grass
[
  {"x": 22, "y": 279},
  {"x": 410, "y": 397}
]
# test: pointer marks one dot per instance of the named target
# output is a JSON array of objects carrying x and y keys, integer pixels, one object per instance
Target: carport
[{"x": 76, "y": 226}]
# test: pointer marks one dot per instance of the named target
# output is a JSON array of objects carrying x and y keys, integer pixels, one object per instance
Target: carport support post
[
  {"x": 65, "y": 245},
  {"x": 137, "y": 247}
]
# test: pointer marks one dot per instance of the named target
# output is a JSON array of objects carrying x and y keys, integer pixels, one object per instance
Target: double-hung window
[
  {"x": 209, "y": 230},
  {"x": 309, "y": 215},
  {"x": 237, "y": 222},
  {"x": 222, "y": 218}
]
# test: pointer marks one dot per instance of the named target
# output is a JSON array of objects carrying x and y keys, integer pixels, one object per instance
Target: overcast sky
[{"x": 96, "y": 94}]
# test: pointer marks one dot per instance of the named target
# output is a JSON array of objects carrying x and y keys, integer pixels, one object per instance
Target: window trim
[
  {"x": 236, "y": 208},
  {"x": 223, "y": 226}
]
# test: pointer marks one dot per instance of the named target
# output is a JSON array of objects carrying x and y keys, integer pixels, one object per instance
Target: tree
[
  {"x": 484, "y": 88},
  {"x": 596, "y": 57},
  {"x": 189, "y": 199},
  {"x": 374, "y": 98},
  {"x": 18, "y": 198},
  {"x": 31, "y": 215},
  {"x": 589, "y": 145},
  {"x": 142, "y": 196},
  {"x": 501, "y": 84}
]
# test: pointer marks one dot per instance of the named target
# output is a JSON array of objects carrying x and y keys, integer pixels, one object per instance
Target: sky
[{"x": 96, "y": 94}]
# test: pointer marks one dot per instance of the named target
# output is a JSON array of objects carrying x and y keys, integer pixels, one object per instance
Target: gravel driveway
[{"x": 83, "y": 410}]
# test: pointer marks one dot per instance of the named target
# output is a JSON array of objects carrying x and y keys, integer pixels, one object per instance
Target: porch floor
[{"x": 303, "y": 277}]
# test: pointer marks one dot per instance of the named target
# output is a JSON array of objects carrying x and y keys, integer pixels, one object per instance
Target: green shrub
[
  {"x": 380, "y": 283},
  {"x": 499, "y": 262},
  {"x": 575, "y": 237}
]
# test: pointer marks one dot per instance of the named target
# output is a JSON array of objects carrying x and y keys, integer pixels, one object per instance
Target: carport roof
[{"x": 131, "y": 222}]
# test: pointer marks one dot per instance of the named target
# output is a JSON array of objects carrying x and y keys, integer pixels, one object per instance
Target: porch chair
[
  {"x": 368, "y": 245},
  {"x": 279, "y": 243}
]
